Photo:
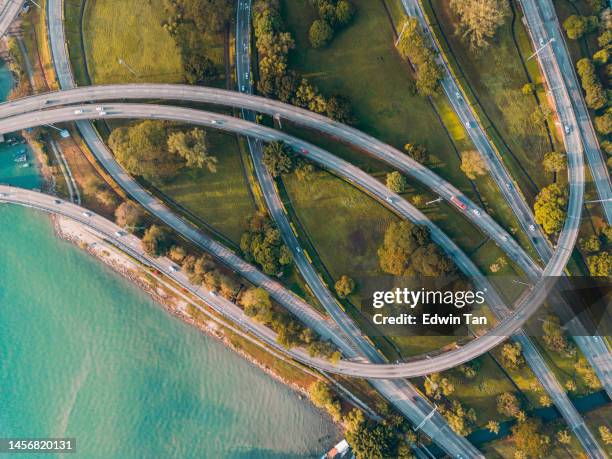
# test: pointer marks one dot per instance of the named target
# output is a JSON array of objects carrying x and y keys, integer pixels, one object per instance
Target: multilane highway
[{"x": 526, "y": 305}]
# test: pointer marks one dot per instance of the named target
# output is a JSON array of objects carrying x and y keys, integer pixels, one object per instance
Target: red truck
[{"x": 458, "y": 203}]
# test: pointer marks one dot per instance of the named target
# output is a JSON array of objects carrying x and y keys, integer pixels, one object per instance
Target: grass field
[
  {"x": 138, "y": 38},
  {"x": 496, "y": 76}
]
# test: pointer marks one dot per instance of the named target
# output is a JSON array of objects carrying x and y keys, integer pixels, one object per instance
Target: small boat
[
  {"x": 22, "y": 158},
  {"x": 24, "y": 165}
]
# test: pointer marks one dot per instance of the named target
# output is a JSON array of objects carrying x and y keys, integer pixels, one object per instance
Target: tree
[
  {"x": 600, "y": 264},
  {"x": 396, "y": 182},
  {"x": 256, "y": 303},
  {"x": 208, "y": 16},
  {"x": 156, "y": 241},
  {"x": 262, "y": 244},
  {"x": 193, "y": 148},
  {"x": 588, "y": 375},
  {"x": 554, "y": 162},
  {"x": 417, "y": 152},
  {"x": 512, "y": 356},
  {"x": 564, "y": 437},
  {"x": 338, "y": 108},
  {"x": 277, "y": 158},
  {"x": 508, "y": 404},
  {"x": 322, "y": 396},
  {"x": 413, "y": 46},
  {"x": 479, "y": 20},
  {"x": 354, "y": 419},
  {"x": 595, "y": 94},
  {"x": 344, "y": 12},
  {"x": 129, "y": 216},
  {"x": 576, "y": 26},
  {"x": 570, "y": 385},
  {"x": 529, "y": 89},
  {"x": 407, "y": 250},
  {"x": 493, "y": 427},
  {"x": 344, "y": 286},
  {"x": 545, "y": 401},
  {"x": 528, "y": 439},
  {"x": 140, "y": 150},
  {"x": 372, "y": 441},
  {"x": 199, "y": 68},
  {"x": 591, "y": 244},
  {"x": 320, "y": 33},
  {"x": 437, "y": 386},
  {"x": 473, "y": 164},
  {"x": 605, "y": 434},
  {"x": 553, "y": 337},
  {"x": 550, "y": 208},
  {"x": 603, "y": 123},
  {"x": 177, "y": 253},
  {"x": 601, "y": 57}
]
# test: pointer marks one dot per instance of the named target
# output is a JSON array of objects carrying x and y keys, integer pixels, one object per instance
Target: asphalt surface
[
  {"x": 526, "y": 305},
  {"x": 400, "y": 393},
  {"x": 556, "y": 63},
  {"x": 9, "y": 10},
  {"x": 522, "y": 210}
]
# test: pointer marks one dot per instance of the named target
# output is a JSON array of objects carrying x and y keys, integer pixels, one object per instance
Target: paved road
[
  {"x": 9, "y": 10},
  {"x": 556, "y": 63},
  {"x": 400, "y": 393},
  {"x": 594, "y": 347},
  {"x": 526, "y": 305}
]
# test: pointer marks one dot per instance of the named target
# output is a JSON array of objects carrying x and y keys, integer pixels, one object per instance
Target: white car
[
  {"x": 531, "y": 228},
  {"x": 542, "y": 41},
  {"x": 468, "y": 125},
  {"x": 566, "y": 128},
  {"x": 78, "y": 112},
  {"x": 476, "y": 211},
  {"x": 213, "y": 293},
  {"x": 217, "y": 122},
  {"x": 389, "y": 200},
  {"x": 458, "y": 95},
  {"x": 119, "y": 233},
  {"x": 504, "y": 238},
  {"x": 87, "y": 214},
  {"x": 174, "y": 268},
  {"x": 102, "y": 113},
  {"x": 99, "y": 109}
]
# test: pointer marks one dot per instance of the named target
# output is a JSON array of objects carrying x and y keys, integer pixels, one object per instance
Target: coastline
[{"x": 79, "y": 236}]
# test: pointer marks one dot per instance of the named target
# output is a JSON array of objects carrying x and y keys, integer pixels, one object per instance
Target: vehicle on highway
[
  {"x": 458, "y": 95},
  {"x": 174, "y": 268},
  {"x": 504, "y": 238},
  {"x": 455, "y": 200},
  {"x": 119, "y": 233},
  {"x": 58, "y": 201},
  {"x": 78, "y": 112},
  {"x": 531, "y": 228},
  {"x": 468, "y": 125},
  {"x": 304, "y": 151},
  {"x": 213, "y": 293},
  {"x": 218, "y": 122},
  {"x": 476, "y": 211},
  {"x": 566, "y": 128},
  {"x": 102, "y": 113},
  {"x": 99, "y": 108},
  {"x": 87, "y": 214}
]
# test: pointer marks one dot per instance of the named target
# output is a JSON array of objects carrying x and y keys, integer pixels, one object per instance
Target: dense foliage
[
  {"x": 262, "y": 244},
  {"x": 550, "y": 208},
  {"x": 479, "y": 20}
]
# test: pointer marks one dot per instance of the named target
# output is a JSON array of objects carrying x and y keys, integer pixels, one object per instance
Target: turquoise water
[{"x": 85, "y": 354}]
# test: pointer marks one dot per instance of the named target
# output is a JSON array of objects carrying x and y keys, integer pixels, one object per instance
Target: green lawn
[
  {"x": 138, "y": 38},
  {"x": 221, "y": 199},
  {"x": 496, "y": 77},
  {"x": 73, "y": 13}
]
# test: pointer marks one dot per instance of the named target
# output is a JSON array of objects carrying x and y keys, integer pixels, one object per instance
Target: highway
[
  {"x": 526, "y": 305},
  {"x": 9, "y": 10},
  {"x": 401, "y": 393},
  {"x": 556, "y": 64},
  {"x": 594, "y": 347}
]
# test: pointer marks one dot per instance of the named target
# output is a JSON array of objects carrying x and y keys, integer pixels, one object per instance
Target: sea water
[{"x": 86, "y": 354}]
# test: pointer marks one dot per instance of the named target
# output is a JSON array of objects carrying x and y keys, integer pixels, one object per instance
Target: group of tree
[
  {"x": 186, "y": 21},
  {"x": 407, "y": 250},
  {"x": 204, "y": 271},
  {"x": 478, "y": 20},
  {"x": 595, "y": 94},
  {"x": 417, "y": 152},
  {"x": 598, "y": 250},
  {"x": 156, "y": 151},
  {"x": 577, "y": 26},
  {"x": 261, "y": 243},
  {"x": 396, "y": 182},
  {"x": 437, "y": 386},
  {"x": 554, "y": 338},
  {"x": 508, "y": 405},
  {"x": 554, "y": 162},
  {"x": 278, "y": 157},
  {"x": 129, "y": 216},
  {"x": 332, "y": 15},
  {"x": 344, "y": 286},
  {"x": 459, "y": 418},
  {"x": 473, "y": 164},
  {"x": 528, "y": 439},
  {"x": 550, "y": 208},
  {"x": 289, "y": 332},
  {"x": 156, "y": 241},
  {"x": 413, "y": 45},
  {"x": 323, "y": 397},
  {"x": 512, "y": 356},
  {"x": 276, "y": 80}
]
